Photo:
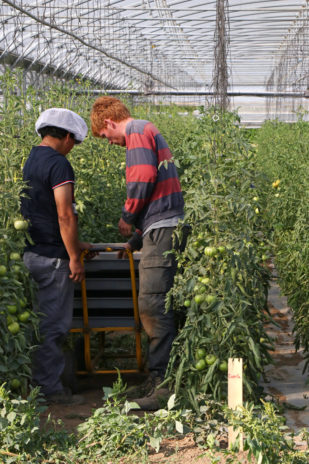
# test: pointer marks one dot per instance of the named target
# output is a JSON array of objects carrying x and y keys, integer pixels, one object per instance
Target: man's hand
[
  {"x": 77, "y": 270},
  {"x": 122, "y": 253},
  {"x": 84, "y": 246},
  {"x": 125, "y": 229},
  {"x": 88, "y": 246}
]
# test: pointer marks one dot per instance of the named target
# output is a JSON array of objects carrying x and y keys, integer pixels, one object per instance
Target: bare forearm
[{"x": 69, "y": 233}]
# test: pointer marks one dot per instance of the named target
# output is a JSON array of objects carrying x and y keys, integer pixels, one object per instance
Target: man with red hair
[{"x": 153, "y": 206}]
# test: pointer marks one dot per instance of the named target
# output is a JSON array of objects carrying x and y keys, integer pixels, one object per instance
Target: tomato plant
[{"x": 223, "y": 255}]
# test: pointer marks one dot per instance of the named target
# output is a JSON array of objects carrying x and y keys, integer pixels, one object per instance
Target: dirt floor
[{"x": 284, "y": 381}]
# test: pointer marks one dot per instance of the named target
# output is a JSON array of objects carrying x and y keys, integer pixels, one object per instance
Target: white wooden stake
[{"x": 235, "y": 396}]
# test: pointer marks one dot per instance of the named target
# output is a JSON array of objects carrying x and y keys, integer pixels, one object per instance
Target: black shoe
[{"x": 65, "y": 398}]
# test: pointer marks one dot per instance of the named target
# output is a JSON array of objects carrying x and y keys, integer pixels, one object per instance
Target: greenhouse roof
[{"x": 152, "y": 45}]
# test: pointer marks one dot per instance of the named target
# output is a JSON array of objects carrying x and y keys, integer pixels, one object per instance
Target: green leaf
[
  {"x": 155, "y": 443},
  {"x": 171, "y": 402},
  {"x": 107, "y": 391},
  {"x": 179, "y": 427},
  {"x": 11, "y": 416},
  {"x": 131, "y": 405}
]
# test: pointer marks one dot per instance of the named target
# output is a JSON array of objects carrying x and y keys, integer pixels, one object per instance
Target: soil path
[{"x": 284, "y": 379}]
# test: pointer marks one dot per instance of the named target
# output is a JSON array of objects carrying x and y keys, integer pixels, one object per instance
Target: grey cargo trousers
[
  {"x": 156, "y": 277},
  {"x": 55, "y": 305}
]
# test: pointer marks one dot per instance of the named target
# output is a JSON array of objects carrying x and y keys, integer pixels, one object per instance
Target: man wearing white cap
[{"x": 53, "y": 256}]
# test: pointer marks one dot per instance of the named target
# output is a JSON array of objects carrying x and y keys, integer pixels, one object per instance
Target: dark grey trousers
[
  {"x": 55, "y": 303},
  {"x": 156, "y": 277}
]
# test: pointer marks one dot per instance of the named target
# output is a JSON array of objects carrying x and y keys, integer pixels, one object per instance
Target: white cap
[{"x": 65, "y": 119}]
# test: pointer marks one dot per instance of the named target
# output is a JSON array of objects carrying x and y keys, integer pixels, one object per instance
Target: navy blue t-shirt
[{"x": 45, "y": 170}]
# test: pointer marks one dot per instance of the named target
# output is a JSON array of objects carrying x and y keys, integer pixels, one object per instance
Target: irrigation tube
[{"x": 192, "y": 93}]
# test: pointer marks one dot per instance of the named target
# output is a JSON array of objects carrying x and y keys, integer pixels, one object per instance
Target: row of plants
[
  {"x": 220, "y": 290},
  {"x": 283, "y": 151}
]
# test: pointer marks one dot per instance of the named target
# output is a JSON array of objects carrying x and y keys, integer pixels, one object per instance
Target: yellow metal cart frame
[{"x": 86, "y": 330}]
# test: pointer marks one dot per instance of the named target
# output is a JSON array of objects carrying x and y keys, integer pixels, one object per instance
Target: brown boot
[{"x": 156, "y": 398}]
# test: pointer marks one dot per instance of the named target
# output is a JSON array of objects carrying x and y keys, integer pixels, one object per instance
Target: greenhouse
[
  {"x": 183, "y": 52},
  {"x": 154, "y": 240}
]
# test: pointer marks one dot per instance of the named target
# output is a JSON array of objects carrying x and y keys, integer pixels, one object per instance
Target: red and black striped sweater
[{"x": 152, "y": 194}]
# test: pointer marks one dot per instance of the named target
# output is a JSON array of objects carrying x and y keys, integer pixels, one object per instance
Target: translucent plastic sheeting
[{"x": 147, "y": 44}]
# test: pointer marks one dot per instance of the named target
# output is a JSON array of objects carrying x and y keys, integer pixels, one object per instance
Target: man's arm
[{"x": 69, "y": 230}]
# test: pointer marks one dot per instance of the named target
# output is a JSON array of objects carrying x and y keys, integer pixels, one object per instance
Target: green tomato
[
  {"x": 16, "y": 268},
  {"x": 15, "y": 256},
  {"x": 3, "y": 270},
  {"x": 200, "y": 353},
  {"x": 199, "y": 299},
  {"x": 223, "y": 366},
  {"x": 221, "y": 249},
  {"x": 199, "y": 289},
  {"x": 20, "y": 224},
  {"x": 210, "y": 251},
  {"x": 10, "y": 319},
  {"x": 210, "y": 359},
  {"x": 22, "y": 302},
  {"x": 205, "y": 280},
  {"x": 15, "y": 384},
  {"x": 187, "y": 303},
  {"x": 200, "y": 365},
  {"x": 24, "y": 316},
  {"x": 14, "y": 328},
  {"x": 12, "y": 308},
  {"x": 210, "y": 299}
]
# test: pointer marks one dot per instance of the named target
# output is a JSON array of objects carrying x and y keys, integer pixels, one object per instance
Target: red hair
[{"x": 107, "y": 108}]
